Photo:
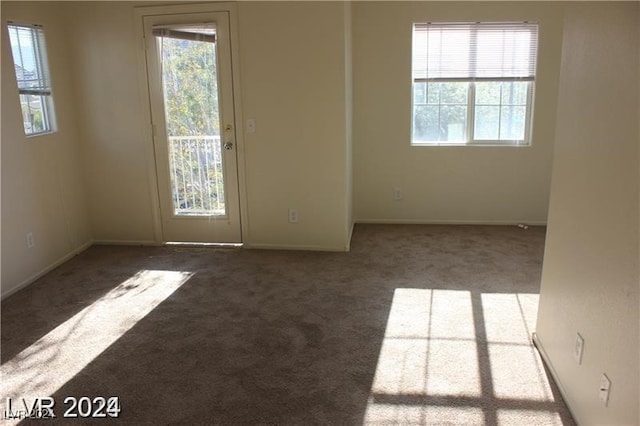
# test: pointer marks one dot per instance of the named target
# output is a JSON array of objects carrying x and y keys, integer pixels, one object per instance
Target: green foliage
[
  {"x": 32, "y": 113},
  {"x": 440, "y": 111},
  {"x": 191, "y": 109},
  {"x": 190, "y": 87}
]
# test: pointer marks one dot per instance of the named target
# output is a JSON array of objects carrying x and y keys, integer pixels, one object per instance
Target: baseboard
[
  {"x": 262, "y": 246},
  {"x": 349, "y": 237},
  {"x": 449, "y": 222},
  {"x": 126, "y": 243},
  {"x": 47, "y": 269},
  {"x": 554, "y": 375}
]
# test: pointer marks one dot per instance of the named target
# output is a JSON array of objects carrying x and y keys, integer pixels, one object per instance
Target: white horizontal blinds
[
  {"x": 30, "y": 60},
  {"x": 475, "y": 51},
  {"x": 203, "y": 32}
]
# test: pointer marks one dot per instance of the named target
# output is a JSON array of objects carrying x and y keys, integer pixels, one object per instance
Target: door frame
[{"x": 148, "y": 132}]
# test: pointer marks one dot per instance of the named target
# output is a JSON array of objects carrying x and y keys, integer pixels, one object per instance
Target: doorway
[{"x": 190, "y": 82}]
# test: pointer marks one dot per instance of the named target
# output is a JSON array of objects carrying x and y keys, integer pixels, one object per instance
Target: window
[
  {"x": 473, "y": 83},
  {"x": 32, "y": 74}
]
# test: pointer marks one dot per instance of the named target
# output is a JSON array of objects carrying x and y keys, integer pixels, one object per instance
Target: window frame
[
  {"x": 470, "y": 133},
  {"x": 45, "y": 92}
]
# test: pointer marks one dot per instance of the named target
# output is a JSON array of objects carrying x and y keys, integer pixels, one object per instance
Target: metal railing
[{"x": 197, "y": 181}]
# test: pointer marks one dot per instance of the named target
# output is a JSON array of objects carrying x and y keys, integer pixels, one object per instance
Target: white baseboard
[
  {"x": 126, "y": 243},
  {"x": 449, "y": 222},
  {"x": 350, "y": 236},
  {"x": 554, "y": 375},
  {"x": 293, "y": 247},
  {"x": 47, "y": 269}
]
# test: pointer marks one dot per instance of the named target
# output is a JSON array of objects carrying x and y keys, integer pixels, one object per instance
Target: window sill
[
  {"x": 476, "y": 144},
  {"x": 35, "y": 135}
]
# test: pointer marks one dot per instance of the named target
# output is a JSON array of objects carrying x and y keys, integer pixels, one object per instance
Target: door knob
[{"x": 228, "y": 146}]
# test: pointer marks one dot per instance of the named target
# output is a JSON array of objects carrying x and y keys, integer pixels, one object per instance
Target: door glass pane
[{"x": 190, "y": 91}]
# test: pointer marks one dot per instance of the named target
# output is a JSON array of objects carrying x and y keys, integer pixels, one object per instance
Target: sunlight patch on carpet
[
  {"x": 514, "y": 417},
  {"x": 517, "y": 371},
  {"x": 426, "y": 330},
  {"x": 458, "y": 356},
  {"x": 44, "y": 367}
]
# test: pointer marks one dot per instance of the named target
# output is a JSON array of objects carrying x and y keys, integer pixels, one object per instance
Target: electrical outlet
[
  {"x": 31, "y": 242},
  {"x": 578, "y": 348},
  {"x": 293, "y": 215},
  {"x": 397, "y": 194},
  {"x": 605, "y": 388}
]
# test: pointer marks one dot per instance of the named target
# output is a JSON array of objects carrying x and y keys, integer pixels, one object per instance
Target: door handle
[{"x": 228, "y": 146}]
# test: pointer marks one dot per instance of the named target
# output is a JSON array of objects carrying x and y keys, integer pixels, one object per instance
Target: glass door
[{"x": 190, "y": 90}]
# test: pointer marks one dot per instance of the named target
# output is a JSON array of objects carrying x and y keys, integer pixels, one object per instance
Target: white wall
[
  {"x": 590, "y": 280},
  {"x": 42, "y": 177},
  {"x": 444, "y": 184}
]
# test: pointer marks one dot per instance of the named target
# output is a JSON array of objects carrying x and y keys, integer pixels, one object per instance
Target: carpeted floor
[{"x": 416, "y": 325}]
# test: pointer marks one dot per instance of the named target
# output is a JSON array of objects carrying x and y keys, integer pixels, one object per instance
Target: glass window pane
[
  {"x": 433, "y": 93},
  {"x": 453, "y": 123},
  {"x": 425, "y": 124},
  {"x": 32, "y": 75},
  {"x": 512, "y": 122},
  {"x": 34, "y": 114},
  {"x": 486, "y": 122},
  {"x": 488, "y": 93},
  {"x": 419, "y": 93},
  {"x": 190, "y": 92},
  {"x": 454, "y": 93},
  {"x": 514, "y": 93}
]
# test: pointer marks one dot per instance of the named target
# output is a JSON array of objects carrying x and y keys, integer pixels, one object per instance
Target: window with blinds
[
  {"x": 32, "y": 75},
  {"x": 473, "y": 83}
]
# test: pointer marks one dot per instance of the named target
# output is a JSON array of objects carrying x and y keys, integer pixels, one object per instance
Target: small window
[
  {"x": 32, "y": 73},
  {"x": 473, "y": 83}
]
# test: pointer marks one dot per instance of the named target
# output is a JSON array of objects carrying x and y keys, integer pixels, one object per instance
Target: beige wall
[
  {"x": 42, "y": 177},
  {"x": 111, "y": 120},
  {"x": 590, "y": 276},
  {"x": 293, "y": 75},
  {"x": 295, "y": 159},
  {"x": 444, "y": 184},
  {"x": 348, "y": 58}
]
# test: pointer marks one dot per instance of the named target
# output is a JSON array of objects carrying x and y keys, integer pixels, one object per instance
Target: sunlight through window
[
  {"x": 533, "y": 417},
  {"x": 516, "y": 370},
  {"x": 429, "y": 350},
  {"x": 44, "y": 367},
  {"x": 460, "y": 357}
]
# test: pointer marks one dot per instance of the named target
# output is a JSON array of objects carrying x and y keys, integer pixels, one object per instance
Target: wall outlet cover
[
  {"x": 578, "y": 348},
  {"x": 605, "y": 388}
]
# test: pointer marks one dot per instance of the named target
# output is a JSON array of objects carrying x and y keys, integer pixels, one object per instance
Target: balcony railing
[{"x": 197, "y": 181}]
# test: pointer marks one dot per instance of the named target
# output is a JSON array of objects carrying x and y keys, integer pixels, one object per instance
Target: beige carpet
[{"x": 416, "y": 325}]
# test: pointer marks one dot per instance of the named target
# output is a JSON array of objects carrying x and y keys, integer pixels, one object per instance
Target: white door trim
[{"x": 139, "y": 14}]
